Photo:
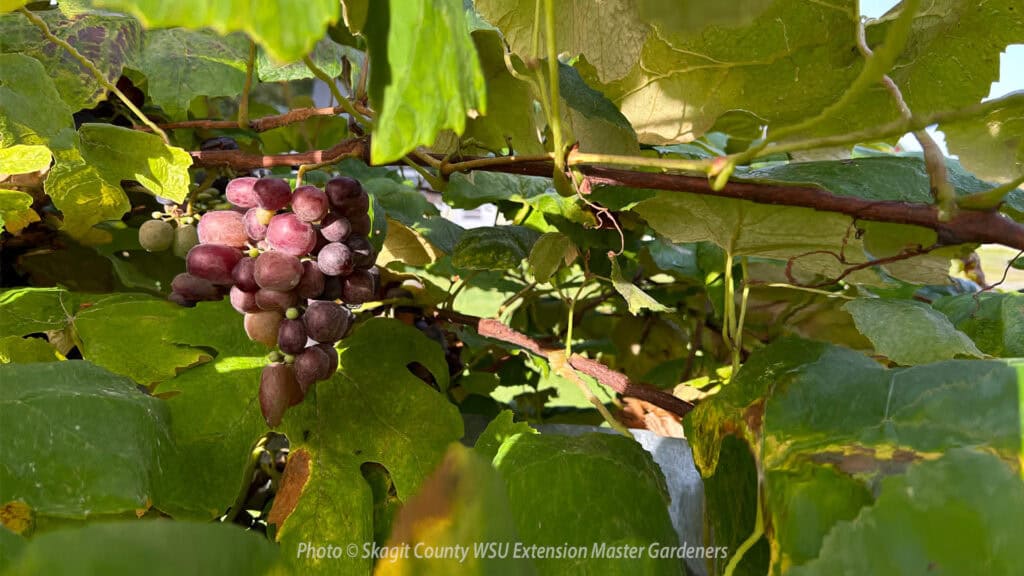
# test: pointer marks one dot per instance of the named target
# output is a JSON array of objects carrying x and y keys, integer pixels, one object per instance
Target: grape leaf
[
  {"x": 23, "y": 84},
  {"x": 78, "y": 440},
  {"x": 426, "y": 76},
  {"x": 559, "y": 509},
  {"x": 494, "y": 248},
  {"x": 16, "y": 209},
  {"x": 670, "y": 17},
  {"x": 608, "y": 34},
  {"x": 327, "y": 55},
  {"x": 636, "y": 299},
  {"x": 498, "y": 431},
  {"x": 215, "y": 421},
  {"x": 992, "y": 147},
  {"x": 25, "y": 311},
  {"x": 940, "y": 515},
  {"x": 549, "y": 253},
  {"x": 596, "y": 124},
  {"x": 144, "y": 546},
  {"x": 995, "y": 321},
  {"x": 476, "y": 188},
  {"x": 262, "y": 21},
  {"x": 181, "y": 64},
  {"x": 11, "y": 5},
  {"x": 509, "y": 118},
  {"x": 123, "y": 154},
  {"x": 18, "y": 350},
  {"x": 908, "y": 332},
  {"x": 107, "y": 40},
  {"x": 373, "y": 410},
  {"x": 406, "y": 245},
  {"x": 922, "y": 409},
  {"x": 462, "y": 503},
  {"x": 83, "y": 196},
  {"x": 24, "y": 158}
]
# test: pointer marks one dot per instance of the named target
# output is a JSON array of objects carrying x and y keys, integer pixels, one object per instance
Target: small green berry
[
  {"x": 292, "y": 314},
  {"x": 289, "y": 359}
]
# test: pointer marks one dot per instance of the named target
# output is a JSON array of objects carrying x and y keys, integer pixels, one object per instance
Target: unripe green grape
[
  {"x": 292, "y": 313},
  {"x": 156, "y": 235},
  {"x": 289, "y": 359},
  {"x": 185, "y": 238},
  {"x": 156, "y": 215}
]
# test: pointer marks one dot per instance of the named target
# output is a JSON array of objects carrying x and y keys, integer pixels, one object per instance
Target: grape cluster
[{"x": 292, "y": 273}]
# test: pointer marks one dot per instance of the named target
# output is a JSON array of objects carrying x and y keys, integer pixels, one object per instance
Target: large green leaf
[
  {"x": 959, "y": 514},
  {"x": 494, "y": 248},
  {"x": 565, "y": 508},
  {"x": 498, "y": 430},
  {"x": 327, "y": 55},
  {"x": 909, "y": 332},
  {"x": 24, "y": 124},
  {"x": 181, "y": 64},
  {"x": 636, "y": 298},
  {"x": 18, "y": 350},
  {"x": 426, "y": 75},
  {"x": 898, "y": 416},
  {"x": 84, "y": 197},
  {"x": 993, "y": 146},
  {"x": 107, "y": 40},
  {"x": 215, "y": 420},
  {"x": 24, "y": 311},
  {"x": 158, "y": 548},
  {"x": 549, "y": 253},
  {"x": 995, "y": 321},
  {"x": 476, "y": 188},
  {"x": 78, "y": 441},
  {"x": 122, "y": 154},
  {"x": 307, "y": 20},
  {"x": 16, "y": 208},
  {"x": 461, "y": 504},
  {"x": 609, "y": 34},
  {"x": 595, "y": 122},
  {"x": 675, "y": 16},
  {"x": 510, "y": 118},
  {"x": 374, "y": 410}
]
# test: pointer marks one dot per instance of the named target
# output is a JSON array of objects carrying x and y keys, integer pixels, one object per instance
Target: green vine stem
[
  {"x": 243, "y": 104},
  {"x": 747, "y": 544},
  {"x": 342, "y": 101},
  {"x": 580, "y": 158},
  {"x": 555, "y": 117},
  {"x": 96, "y": 73}
]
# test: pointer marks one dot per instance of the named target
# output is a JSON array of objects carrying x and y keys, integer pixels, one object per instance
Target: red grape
[
  {"x": 240, "y": 192},
  {"x": 278, "y": 391},
  {"x": 275, "y": 299},
  {"x": 277, "y": 271},
  {"x": 255, "y": 229},
  {"x": 360, "y": 224},
  {"x": 213, "y": 262},
  {"x": 223, "y": 227},
  {"x": 244, "y": 275},
  {"x": 312, "y": 365},
  {"x": 290, "y": 235},
  {"x": 243, "y": 301},
  {"x": 272, "y": 193},
  {"x": 332, "y": 288},
  {"x": 311, "y": 284},
  {"x": 359, "y": 287},
  {"x": 355, "y": 205},
  {"x": 291, "y": 336},
  {"x": 180, "y": 300},
  {"x": 363, "y": 255},
  {"x": 326, "y": 322},
  {"x": 335, "y": 259},
  {"x": 340, "y": 189},
  {"x": 335, "y": 228},
  {"x": 309, "y": 203},
  {"x": 332, "y": 355},
  {"x": 194, "y": 288},
  {"x": 262, "y": 326}
]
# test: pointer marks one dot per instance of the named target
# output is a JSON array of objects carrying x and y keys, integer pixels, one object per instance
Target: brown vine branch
[
  {"x": 620, "y": 383},
  {"x": 256, "y": 125},
  {"x": 966, "y": 226}
]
